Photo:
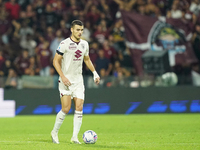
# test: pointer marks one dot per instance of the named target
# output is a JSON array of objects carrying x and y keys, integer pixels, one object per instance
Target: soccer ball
[{"x": 89, "y": 137}]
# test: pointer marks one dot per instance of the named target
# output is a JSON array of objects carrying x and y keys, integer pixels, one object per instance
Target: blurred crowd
[{"x": 31, "y": 30}]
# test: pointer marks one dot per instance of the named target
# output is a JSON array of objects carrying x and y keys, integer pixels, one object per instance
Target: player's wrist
[
  {"x": 62, "y": 76},
  {"x": 95, "y": 74}
]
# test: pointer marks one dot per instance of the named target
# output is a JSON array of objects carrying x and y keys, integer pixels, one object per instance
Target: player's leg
[
  {"x": 66, "y": 106},
  {"x": 78, "y": 114}
]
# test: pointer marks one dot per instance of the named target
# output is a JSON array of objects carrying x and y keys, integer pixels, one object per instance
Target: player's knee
[
  {"x": 79, "y": 107},
  {"x": 66, "y": 109}
]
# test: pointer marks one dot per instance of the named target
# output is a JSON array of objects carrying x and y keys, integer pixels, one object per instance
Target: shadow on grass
[
  {"x": 103, "y": 146},
  {"x": 44, "y": 141},
  {"x": 38, "y": 141},
  {"x": 83, "y": 145},
  {"x": 11, "y": 144}
]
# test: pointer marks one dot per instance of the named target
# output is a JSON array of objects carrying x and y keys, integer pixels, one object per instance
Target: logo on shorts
[{"x": 78, "y": 54}]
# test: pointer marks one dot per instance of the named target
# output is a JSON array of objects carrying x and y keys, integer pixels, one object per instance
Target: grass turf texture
[{"x": 115, "y": 132}]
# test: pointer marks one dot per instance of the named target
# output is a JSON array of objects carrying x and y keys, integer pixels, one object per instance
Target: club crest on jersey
[{"x": 83, "y": 46}]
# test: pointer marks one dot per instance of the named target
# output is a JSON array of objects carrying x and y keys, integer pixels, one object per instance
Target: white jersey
[{"x": 72, "y": 62}]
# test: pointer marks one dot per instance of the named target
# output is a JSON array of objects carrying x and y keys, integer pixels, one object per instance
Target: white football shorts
[{"x": 75, "y": 90}]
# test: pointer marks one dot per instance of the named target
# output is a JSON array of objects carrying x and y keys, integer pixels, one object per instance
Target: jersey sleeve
[
  {"x": 61, "y": 48},
  {"x": 87, "y": 49}
]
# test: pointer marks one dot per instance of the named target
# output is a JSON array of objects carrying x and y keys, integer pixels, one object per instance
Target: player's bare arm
[
  {"x": 57, "y": 64},
  {"x": 91, "y": 67}
]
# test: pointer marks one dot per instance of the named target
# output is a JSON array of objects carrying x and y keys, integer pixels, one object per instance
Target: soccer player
[{"x": 68, "y": 62}]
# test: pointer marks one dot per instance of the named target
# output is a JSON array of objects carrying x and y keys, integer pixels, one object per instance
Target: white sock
[
  {"x": 59, "y": 120},
  {"x": 77, "y": 123}
]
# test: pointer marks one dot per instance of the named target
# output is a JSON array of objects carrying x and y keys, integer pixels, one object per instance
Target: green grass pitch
[{"x": 115, "y": 132}]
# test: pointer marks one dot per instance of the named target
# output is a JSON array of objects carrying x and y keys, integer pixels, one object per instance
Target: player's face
[{"x": 77, "y": 32}]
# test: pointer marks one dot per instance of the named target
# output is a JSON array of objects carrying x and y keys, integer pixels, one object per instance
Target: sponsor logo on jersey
[
  {"x": 73, "y": 47},
  {"x": 78, "y": 54},
  {"x": 76, "y": 59},
  {"x": 62, "y": 43}
]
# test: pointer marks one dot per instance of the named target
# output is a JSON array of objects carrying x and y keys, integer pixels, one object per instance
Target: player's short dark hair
[{"x": 76, "y": 22}]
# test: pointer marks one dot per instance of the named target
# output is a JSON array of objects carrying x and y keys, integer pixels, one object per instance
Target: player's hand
[
  {"x": 96, "y": 77},
  {"x": 65, "y": 81},
  {"x": 97, "y": 80}
]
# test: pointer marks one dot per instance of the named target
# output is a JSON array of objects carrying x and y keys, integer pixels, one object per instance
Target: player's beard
[{"x": 77, "y": 37}]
